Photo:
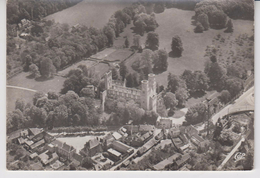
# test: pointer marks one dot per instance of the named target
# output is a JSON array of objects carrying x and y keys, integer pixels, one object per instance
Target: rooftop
[
  {"x": 114, "y": 152},
  {"x": 93, "y": 143},
  {"x": 183, "y": 159},
  {"x": 116, "y": 135},
  {"x": 36, "y": 131},
  {"x": 35, "y": 145},
  {"x": 161, "y": 165}
]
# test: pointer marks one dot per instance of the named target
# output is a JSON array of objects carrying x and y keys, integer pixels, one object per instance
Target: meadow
[
  {"x": 88, "y": 12},
  {"x": 194, "y": 44}
]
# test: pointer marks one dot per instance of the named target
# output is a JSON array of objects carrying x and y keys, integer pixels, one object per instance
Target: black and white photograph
[{"x": 130, "y": 85}]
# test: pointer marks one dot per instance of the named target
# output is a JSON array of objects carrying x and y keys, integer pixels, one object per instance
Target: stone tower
[
  {"x": 145, "y": 95},
  {"x": 108, "y": 80},
  {"x": 152, "y": 92}
]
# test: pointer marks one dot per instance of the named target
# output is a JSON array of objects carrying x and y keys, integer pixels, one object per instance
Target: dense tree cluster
[
  {"x": 54, "y": 111},
  {"x": 144, "y": 23},
  {"x": 79, "y": 78},
  {"x": 178, "y": 86},
  {"x": 195, "y": 81},
  {"x": 229, "y": 78},
  {"x": 196, "y": 114},
  {"x": 151, "y": 61},
  {"x": 216, "y": 11},
  {"x": 122, "y": 111},
  {"x": 35, "y": 10},
  {"x": 62, "y": 44}
]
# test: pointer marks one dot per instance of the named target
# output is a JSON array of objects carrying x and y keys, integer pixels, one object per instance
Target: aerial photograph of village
[{"x": 124, "y": 85}]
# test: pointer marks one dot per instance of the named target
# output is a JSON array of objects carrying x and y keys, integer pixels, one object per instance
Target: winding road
[{"x": 244, "y": 103}]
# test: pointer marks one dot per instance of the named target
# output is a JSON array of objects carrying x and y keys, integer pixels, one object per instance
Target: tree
[
  {"x": 110, "y": 33},
  {"x": 229, "y": 26},
  {"x": 123, "y": 70},
  {"x": 87, "y": 92},
  {"x": 234, "y": 70},
  {"x": 234, "y": 86},
  {"x": 34, "y": 70},
  {"x": 201, "y": 80},
  {"x": 215, "y": 72},
  {"x": 127, "y": 42},
  {"x": 170, "y": 100},
  {"x": 60, "y": 115},
  {"x": 161, "y": 63},
  {"x": 140, "y": 26},
  {"x": 159, "y": 8},
  {"x": 47, "y": 68},
  {"x": 53, "y": 95},
  {"x": 20, "y": 104},
  {"x": 181, "y": 95},
  {"x": 152, "y": 41},
  {"x": 129, "y": 80},
  {"x": 136, "y": 41},
  {"x": 36, "y": 96},
  {"x": 177, "y": 48},
  {"x": 218, "y": 19},
  {"x": 225, "y": 96},
  {"x": 199, "y": 28},
  {"x": 196, "y": 114},
  {"x": 175, "y": 82},
  {"x": 203, "y": 20}
]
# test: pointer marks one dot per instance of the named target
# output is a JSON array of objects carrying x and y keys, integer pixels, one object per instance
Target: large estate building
[{"x": 146, "y": 97}]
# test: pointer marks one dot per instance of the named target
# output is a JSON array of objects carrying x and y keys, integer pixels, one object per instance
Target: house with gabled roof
[
  {"x": 63, "y": 149},
  {"x": 77, "y": 159},
  {"x": 36, "y": 134},
  {"x": 91, "y": 148}
]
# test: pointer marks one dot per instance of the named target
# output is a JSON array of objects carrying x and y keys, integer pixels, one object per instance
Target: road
[
  {"x": 245, "y": 100},
  {"x": 21, "y": 88},
  {"x": 230, "y": 154}
]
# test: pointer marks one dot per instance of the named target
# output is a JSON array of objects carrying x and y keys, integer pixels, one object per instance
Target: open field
[
  {"x": 83, "y": 13},
  {"x": 194, "y": 44},
  {"x": 21, "y": 80}
]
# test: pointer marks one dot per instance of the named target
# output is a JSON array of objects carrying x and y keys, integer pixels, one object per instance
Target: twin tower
[{"x": 146, "y": 97}]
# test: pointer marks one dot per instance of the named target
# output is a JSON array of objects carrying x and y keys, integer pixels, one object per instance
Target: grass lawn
[
  {"x": 21, "y": 80},
  {"x": 194, "y": 44},
  {"x": 85, "y": 11}
]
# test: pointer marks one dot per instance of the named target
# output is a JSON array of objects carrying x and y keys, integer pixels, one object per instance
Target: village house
[
  {"x": 77, "y": 159},
  {"x": 37, "y": 144},
  {"x": 193, "y": 134},
  {"x": 91, "y": 148},
  {"x": 62, "y": 149},
  {"x": 163, "y": 123},
  {"x": 183, "y": 160},
  {"x": 168, "y": 161},
  {"x": 48, "y": 157},
  {"x": 36, "y": 134},
  {"x": 140, "y": 140}
]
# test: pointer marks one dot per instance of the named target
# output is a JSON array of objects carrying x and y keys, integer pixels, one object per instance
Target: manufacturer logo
[{"x": 238, "y": 156}]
